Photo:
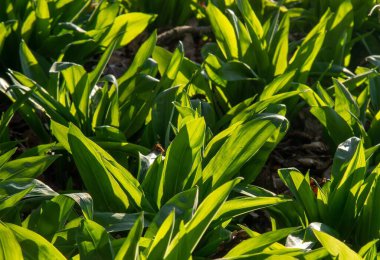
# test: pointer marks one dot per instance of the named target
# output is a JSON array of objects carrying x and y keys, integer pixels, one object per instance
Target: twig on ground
[{"x": 180, "y": 31}]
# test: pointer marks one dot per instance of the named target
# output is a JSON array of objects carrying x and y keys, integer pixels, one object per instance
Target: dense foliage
[{"x": 161, "y": 161}]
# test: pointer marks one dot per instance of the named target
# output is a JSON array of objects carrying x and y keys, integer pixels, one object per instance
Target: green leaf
[
  {"x": 39, "y": 189},
  {"x": 130, "y": 247},
  {"x": 7, "y": 156},
  {"x": 129, "y": 26},
  {"x": 368, "y": 224},
  {"x": 181, "y": 158},
  {"x": 163, "y": 112},
  {"x": 278, "y": 48},
  {"x": 51, "y": 106},
  {"x": 29, "y": 167},
  {"x": 50, "y": 217},
  {"x": 43, "y": 24},
  {"x": 335, "y": 247},
  {"x": 117, "y": 222},
  {"x": 244, "y": 39},
  {"x": 34, "y": 246},
  {"x": 60, "y": 132},
  {"x": 170, "y": 72},
  {"x": 84, "y": 201},
  {"x": 213, "y": 66},
  {"x": 239, "y": 206},
  {"x": 257, "y": 244},
  {"x": 279, "y": 84},
  {"x": 11, "y": 111},
  {"x": 9, "y": 247},
  {"x": 300, "y": 187},
  {"x": 111, "y": 186},
  {"x": 345, "y": 105},
  {"x": 337, "y": 128},
  {"x": 78, "y": 84},
  {"x": 338, "y": 35},
  {"x": 95, "y": 75},
  {"x": 369, "y": 251},
  {"x": 258, "y": 107},
  {"x": 254, "y": 166},
  {"x": 318, "y": 253},
  {"x": 224, "y": 32},
  {"x": 250, "y": 17},
  {"x": 183, "y": 204},
  {"x": 249, "y": 137},
  {"x": 189, "y": 235},
  {"x": 11, "y": 201},
  {"x": 30, "y": 65},
  {"x": 259, "y": 45},
  {"x": 143, "y": 53},
  {"x": 236, "y": 71},
  {"x": 374, "y": 92},
  {"x": 345, "y": 187},
  {"x": 137, "y": 102},
  {"x": 305, "y": 55},
  {"x": 159, "y": 245},
  {"x": 93, "y": 241}
]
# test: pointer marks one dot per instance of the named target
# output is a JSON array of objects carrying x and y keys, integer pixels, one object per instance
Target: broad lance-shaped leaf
[
  {"x": 181, "y": 159},
  {"x": 129, "y": 25},
  {"x": 162, "y": 112},
  {"x": 9, "y": 247},
  {"x": 299, "y": 185},
  {"x": 40, "y": 189},
  {"x": 277, "y": 85},
  {"x": 118, "y": 222},
  {"x": 130, "y": 247},
  {"x": 244, "y": 42},
  {"x": 50, "y": 217},
  {"x": 239, "y": 206},
  {"x": 369, "y": 250},
  {"x": 78, "y": 84},
  {"x": 278, "y": 48},
  {"x": 250, "y": 17},
  {"x": 11, "y": 201},
  {"x": 260, "y": 106},
  {"x": 337, "y": 128},
  {"x": 52, "y": 107},
  {"x": 29, "y": 167},
  {"x": 43, "y": 24},
  {"x": 84, "y": 201},
  {"x": 368, "y": 224},
  {"x": 93, "y": 241},
  {"x": 171, "y": 71},
  {"x": 144, "y": 52},
  {"x": 345, "y": 105},
  {"x": 112, "y": 187},
  {"x": 257, "y": 244},
  {"x": 259, "y": 44},
  {"x": 183, "y": 204},
  {"x": 6, "y": 156},
  {"x": 254, "y": 166},
  {"x": 189, "y": 235},
  {"x": 342, "y": 200},
  {"x": 34, "y": 246},
  {"x": 30, "y": 65},
  {"x": 243, "y": 143},
  {"x": 224, "y": 32},
  {"x": 304, "y": 57},
  {"x": 335, "y": 247},
  {"x": 159, "y": 245},
  {"x": 95, "y": 75},
  {"x": 337, "y": 44}
]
